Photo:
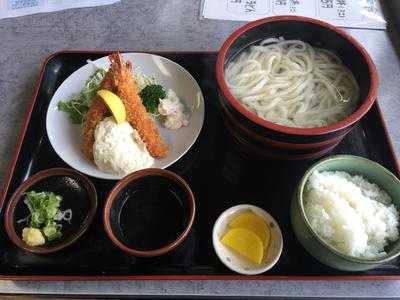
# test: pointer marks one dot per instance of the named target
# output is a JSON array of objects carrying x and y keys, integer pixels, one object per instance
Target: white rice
[{"x": 353, "y": 215}]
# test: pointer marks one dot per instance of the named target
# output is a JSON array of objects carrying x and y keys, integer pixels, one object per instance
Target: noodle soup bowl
[{"x": 270, "y": 140}]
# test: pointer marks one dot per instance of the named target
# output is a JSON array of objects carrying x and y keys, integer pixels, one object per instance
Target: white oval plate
[{"x": 66, "y": 138}]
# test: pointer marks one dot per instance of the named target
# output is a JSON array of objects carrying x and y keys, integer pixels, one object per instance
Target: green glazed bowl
[{"x": 312, "y": 242}]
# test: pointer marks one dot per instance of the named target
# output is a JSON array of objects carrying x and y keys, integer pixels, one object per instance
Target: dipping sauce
[{"x": 150, "y": 213}]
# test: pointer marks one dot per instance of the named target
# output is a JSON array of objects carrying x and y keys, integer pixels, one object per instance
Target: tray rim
[{"x": 11, "y": 168}]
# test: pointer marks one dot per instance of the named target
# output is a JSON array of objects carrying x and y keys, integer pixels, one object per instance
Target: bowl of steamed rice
[
  {"x": 292, "y": 87},
  {"x": 345, "y": 213}
]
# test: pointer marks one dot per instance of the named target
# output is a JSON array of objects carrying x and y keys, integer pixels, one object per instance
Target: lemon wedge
[
  {"x": 251, "y": 221},
  {"x": 114, "y": 104},
  {"x": 245, "y": 242}
]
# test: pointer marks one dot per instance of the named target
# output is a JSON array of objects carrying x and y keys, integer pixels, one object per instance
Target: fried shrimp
[
  {"x": 97, "y": 112},
  {"x": 126, "y": 88},
  {"x": 119, "y": 80}
]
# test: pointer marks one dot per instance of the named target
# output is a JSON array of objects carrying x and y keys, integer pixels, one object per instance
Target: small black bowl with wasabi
[{"x": 50, "y": 210}]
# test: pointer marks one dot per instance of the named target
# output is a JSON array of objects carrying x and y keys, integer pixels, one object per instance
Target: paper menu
[
  {"x": 346, "y": 13},
  {"x": 16, "y": 8}
]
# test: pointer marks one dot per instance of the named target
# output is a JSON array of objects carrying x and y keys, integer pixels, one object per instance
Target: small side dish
[
  {"x": 50, "y": 210},
  {"x": 43, "y": 224},
  {"x": 247, "y": 239},
  {"x": 249, "y": 235}
]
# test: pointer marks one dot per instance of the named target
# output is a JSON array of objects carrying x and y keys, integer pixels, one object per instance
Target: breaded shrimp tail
[
  {"x": 119, "y": 80},
  {"x": 126, "y": 88}
]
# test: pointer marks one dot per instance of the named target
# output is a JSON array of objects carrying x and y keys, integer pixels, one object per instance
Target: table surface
[{"x": 160, "y": 25}]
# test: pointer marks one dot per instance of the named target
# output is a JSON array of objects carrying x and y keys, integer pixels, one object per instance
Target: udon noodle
[{"x": 290, "y": 83}]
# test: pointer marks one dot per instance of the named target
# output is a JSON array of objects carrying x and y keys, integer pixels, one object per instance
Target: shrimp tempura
[
  {"x": 97, "y": 112},
  {"x": 119, "y": 80}
]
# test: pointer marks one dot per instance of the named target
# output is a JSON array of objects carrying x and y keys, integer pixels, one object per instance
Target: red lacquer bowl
[
  {"x": 296, "y": 143},
  {"x": 123, "y": 201}
]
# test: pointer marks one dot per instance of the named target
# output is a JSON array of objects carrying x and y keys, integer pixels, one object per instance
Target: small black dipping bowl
[
  {"x": 79, "y": 195},
  {"x": 149, "y": 212}
]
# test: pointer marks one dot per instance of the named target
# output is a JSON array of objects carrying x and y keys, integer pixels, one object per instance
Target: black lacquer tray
[{"x": 219, "y": 175}]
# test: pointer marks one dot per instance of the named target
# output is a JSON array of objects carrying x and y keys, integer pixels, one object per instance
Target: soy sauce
[{"x": 151, "y": 214}]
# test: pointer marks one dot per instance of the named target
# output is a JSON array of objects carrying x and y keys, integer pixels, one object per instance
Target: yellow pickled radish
[
  {"x": 114, "y": 104},
  {"x": 245, "y": 242},
  {"x": 253, "y": 222}
]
